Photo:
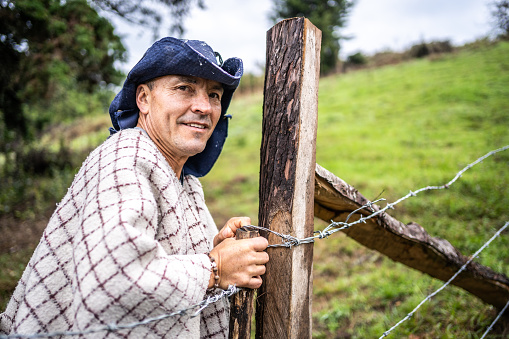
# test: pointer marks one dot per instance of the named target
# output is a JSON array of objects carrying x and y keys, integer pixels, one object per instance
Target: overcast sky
[{"x": 238, "y": 28}]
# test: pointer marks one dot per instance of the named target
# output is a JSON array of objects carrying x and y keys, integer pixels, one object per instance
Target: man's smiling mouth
[{"x": 196, "y": 126}]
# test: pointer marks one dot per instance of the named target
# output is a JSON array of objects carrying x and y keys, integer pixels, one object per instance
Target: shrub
[
  {"x": 424, "y": 49},
  {"x": 387, "y": 58},
  {"x": 357, "y": 59},
  {"x": 419, "y": 51}
]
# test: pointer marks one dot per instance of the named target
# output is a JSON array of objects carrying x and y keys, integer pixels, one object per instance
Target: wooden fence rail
[{"x": 408, "y": 244}]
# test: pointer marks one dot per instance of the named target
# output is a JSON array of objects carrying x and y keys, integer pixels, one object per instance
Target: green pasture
[{"x": 385, "y": 131}]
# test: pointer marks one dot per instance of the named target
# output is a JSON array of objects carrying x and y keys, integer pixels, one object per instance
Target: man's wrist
[{"x": 214, "y": 274}]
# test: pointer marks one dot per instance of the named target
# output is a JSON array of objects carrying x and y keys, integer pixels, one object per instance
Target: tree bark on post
[
  {"x": 287, "y": 166},
  {"x": 241, "y": 306}
]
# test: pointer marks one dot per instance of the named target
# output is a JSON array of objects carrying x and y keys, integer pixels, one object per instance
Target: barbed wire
[
  {"x": 288, "y": 241},
  {"x": 196, "y": 309},
  {"x": 462, "y": 268},
  {"x": 336, "y": 226},
  {"x": 495, "y": 321}
]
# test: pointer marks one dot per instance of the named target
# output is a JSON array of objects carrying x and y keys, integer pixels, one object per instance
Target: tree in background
[
  {"x": 59, "y": 61},
  {"x": 500, "y": 13},
  {"x": 139, "y": 13},
  {"x": 328, "y": 15},
  {"x": 47, "y": 47}
]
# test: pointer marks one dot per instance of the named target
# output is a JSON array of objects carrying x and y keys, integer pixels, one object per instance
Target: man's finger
[
  {"x": 255, "y": 282},
  {"x": 259, "y": 243},
  {"x": 240, "y": 222},
  {"x": 259, "y": 270},
  {"x": 262, "y": 258},
  {"x": 227, "y": 233},
  {"x": 232, "y": 225}
]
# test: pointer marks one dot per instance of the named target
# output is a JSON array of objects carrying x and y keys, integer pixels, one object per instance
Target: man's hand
[
  {"x": 240, "y": 262},
  {"x": 230, "y": 229}
]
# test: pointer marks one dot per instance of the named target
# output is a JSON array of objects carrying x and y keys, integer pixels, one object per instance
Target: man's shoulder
[
  {"x": 126, "y": 142},
  {"x": 128, "y": 147},
  {"x": 128, "y": 138},
  {"x": 125, "y": 158}
]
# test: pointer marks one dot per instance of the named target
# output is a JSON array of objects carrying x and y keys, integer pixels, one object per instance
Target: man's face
[{"x": 181, "y": 113}]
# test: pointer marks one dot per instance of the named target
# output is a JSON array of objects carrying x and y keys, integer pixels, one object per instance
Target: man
[{"x": 133, "y": 237}]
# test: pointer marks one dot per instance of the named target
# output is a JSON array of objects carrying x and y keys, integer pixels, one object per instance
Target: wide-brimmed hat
[{"x": 171, "y": 56}]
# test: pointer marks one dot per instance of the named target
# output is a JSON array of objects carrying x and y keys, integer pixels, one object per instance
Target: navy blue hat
[{"x": 171, "y": 56}]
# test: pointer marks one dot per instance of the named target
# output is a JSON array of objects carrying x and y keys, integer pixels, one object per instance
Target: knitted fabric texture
[{"x": 127, "y": 242}]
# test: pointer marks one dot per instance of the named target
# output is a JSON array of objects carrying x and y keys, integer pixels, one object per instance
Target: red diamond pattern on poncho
[{"x": 126, "y": 243}]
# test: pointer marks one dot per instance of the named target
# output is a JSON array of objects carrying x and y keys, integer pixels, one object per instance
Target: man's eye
[
  {"x": 215, "y": 95},
  {"x": 183, "y": 88}
]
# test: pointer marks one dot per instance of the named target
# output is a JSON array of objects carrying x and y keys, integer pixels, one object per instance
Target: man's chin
[
  {"x": 193, "y": 150},
  {"x": 190, "y": 146}
]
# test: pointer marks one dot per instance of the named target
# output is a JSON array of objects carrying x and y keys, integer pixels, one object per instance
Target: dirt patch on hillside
[{"x": 18, "y": 234}]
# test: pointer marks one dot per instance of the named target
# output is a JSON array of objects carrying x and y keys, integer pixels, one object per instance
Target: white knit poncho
[{"x": 127, "y": 242}]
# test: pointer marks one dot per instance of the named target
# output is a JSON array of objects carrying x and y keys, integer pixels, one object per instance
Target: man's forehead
[{"x": 193, "y": 80}]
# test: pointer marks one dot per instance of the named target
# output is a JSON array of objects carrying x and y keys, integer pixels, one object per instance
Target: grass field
[{"x": 388, "y": 131}]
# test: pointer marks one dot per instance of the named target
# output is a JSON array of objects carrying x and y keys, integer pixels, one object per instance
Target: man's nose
[{"x": 201, "y": 103}]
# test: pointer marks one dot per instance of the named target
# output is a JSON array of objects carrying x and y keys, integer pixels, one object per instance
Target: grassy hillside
[
  {"x": 397, "y": 129},
  {"x": 385, "y": 131}
]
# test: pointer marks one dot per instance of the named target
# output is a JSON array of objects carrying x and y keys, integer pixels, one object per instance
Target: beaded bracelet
[{"x": 215, "y": 270}]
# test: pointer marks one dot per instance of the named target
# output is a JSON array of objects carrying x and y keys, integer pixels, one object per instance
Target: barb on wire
[
  {"x": 336, "y": 226},
  {"x": 462, "y": 268},
  {"x": 196, "y": 309},
  {"x": 366, "y": 206},
  {"x": 495, "y": 321}
]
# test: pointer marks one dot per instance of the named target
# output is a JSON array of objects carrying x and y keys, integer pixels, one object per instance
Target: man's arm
[{"x": 123, "y": 272}]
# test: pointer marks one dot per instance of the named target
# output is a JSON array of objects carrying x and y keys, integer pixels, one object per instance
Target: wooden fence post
[
  {"x": 241, "y": 306},
  {"x": 287, "y": 167}
]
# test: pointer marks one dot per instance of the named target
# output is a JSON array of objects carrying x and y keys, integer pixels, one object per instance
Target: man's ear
[{"x": 143, "y": 98}]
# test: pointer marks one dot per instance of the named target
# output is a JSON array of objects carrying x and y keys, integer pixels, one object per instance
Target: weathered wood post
[
  {"x": 287, "y": 170},
  {"x": 242, "y": 304}
]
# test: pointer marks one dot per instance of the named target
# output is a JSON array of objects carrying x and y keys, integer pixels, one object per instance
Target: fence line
[
  {"x": 288, "y": 241},
  {"x": 197, "y": 308},
  {"x": 448, "y": 281},
  {"x": 495, "y": 321}
]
